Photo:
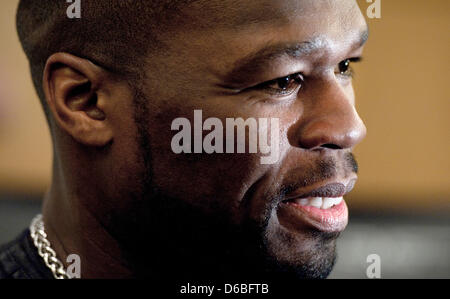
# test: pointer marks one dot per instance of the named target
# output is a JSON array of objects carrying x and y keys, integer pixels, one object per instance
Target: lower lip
[{"x": 334, "y": 219}]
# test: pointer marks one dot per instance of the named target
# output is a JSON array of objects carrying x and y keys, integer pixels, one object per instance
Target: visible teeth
[
  {"x": 319, "y": 202},
  {"x": 329, "y": 202},
  {"x": 326, "y": 203},
  {"x": 302, "y": 201},
  {"x": 315, "y": 202}
]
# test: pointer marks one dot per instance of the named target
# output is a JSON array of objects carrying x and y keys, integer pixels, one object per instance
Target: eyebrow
[{"x": 255, "y": 60}]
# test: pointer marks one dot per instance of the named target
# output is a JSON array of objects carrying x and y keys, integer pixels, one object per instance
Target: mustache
[
  {"x": 319, "y": 172},
  {"x": 351, "y": 162}
]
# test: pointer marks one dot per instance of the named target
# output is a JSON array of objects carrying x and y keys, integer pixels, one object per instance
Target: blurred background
[{"x": 400, "y": 207}]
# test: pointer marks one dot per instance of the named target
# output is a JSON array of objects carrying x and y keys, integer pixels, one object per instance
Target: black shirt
[{"x": 19, "y": 259}]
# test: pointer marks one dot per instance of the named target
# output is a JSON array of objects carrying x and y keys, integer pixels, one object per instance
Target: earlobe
[{"x": 73, "y": 89}]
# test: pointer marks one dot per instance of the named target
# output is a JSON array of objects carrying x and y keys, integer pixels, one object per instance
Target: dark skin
[{"x": 222, "y": 64}]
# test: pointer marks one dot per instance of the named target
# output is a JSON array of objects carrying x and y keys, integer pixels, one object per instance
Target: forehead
[
  {"x": 237, "y": 14},
  {"x": 218, "y": 34}
]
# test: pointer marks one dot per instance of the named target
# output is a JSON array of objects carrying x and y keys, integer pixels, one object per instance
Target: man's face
[{"x": 262, "y": 59}]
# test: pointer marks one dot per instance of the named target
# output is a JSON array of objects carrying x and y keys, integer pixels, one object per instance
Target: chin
[{"x": 310, "y": 254}]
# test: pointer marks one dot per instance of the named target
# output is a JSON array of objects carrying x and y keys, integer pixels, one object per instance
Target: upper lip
[{"x": 336, "y": 189}]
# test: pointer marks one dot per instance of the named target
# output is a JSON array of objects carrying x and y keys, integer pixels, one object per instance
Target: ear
[{"x": 75, "y": 92}]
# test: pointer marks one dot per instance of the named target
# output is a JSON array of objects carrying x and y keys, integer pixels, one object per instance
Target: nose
[{"x": 329, "y": 120}]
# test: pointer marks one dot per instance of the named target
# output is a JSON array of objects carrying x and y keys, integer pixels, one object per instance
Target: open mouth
[
  {"x": 323, "y": 203},
  {"x": 323, "y": 208}
]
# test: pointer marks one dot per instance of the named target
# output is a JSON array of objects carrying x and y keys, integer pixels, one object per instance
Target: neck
[{"x": 72, "y": 228}]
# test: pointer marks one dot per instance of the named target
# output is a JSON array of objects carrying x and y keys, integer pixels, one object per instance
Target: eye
[
  {"x": 344, "y": 67},
  {"x": 284, "y": 85}
]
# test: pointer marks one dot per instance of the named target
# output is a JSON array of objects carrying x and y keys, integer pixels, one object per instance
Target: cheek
[
  {"x": 209, "y": 181},
  {"x": 217, "y": 180}
]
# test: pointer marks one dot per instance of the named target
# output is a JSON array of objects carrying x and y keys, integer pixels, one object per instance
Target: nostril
[{"x": 331, "y": 146}]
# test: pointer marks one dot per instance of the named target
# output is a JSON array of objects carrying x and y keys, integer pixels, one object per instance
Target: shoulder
[{"x": 19, "y": 260}]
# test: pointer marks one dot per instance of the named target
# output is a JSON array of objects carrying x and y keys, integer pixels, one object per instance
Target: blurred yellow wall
[
  {"x": 25, "y": 150},
  {"x": 402, "y": 94}
]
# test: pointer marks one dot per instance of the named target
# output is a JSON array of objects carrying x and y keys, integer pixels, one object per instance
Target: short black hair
[{"x": 114, "y": 34}]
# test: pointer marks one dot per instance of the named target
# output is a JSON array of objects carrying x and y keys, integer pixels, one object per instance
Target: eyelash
[
  {"x": 343, "y": 69},
  {"x": 346, "y": 64},
  {"x": 290, "y": 80}
]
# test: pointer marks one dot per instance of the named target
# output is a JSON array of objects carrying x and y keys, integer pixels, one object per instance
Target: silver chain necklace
[{"x": 45, "y": 250}]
